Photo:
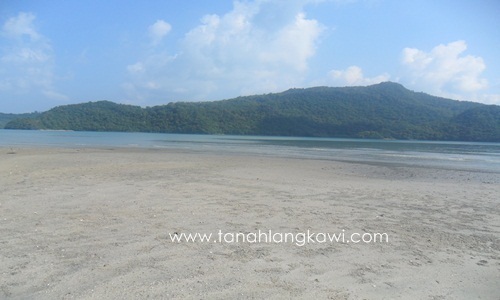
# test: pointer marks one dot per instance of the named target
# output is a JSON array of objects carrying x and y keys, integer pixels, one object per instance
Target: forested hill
[
  {"x": 6, "y": 118},
  {"x": 385, "y": 110}
]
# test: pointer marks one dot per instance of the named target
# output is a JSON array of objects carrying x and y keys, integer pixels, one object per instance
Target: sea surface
[{"x": 450, "y": 155}]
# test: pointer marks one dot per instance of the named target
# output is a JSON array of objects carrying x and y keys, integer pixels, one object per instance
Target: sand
[{"x": 96, "y": 224}]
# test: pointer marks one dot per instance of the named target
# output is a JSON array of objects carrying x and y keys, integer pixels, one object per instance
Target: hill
[
  {"x": 385, "y": 110},
  {"x": 6, "y": 118}
]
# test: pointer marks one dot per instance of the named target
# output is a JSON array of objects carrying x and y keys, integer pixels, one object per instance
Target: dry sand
[{"x": 95, "y": 224}]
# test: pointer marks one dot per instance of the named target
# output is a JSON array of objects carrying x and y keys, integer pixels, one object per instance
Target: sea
[{"x": 471, "y": 156}]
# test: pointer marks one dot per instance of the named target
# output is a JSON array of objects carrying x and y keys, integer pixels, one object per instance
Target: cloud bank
[
  {"x": 27, "y": 60},
  {"x": 353, "y": 75},
  {"x": 445, "y": 70},
  {"x": 266, "y": 46},
  {"x": 158, "y": 31},
  {"x": 257, "y": 47}
]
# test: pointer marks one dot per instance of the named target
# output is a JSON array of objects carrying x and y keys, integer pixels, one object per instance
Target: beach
[{"x": 95, "y": 223}]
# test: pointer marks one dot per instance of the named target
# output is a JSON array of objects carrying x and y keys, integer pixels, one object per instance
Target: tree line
[{"x": 383, "y": 111}]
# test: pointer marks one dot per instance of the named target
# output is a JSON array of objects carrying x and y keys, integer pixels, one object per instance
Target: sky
[{"x": 154, "y": 52}]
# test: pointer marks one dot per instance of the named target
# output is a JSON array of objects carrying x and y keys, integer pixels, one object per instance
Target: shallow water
[{"x": 452, "y": 155}]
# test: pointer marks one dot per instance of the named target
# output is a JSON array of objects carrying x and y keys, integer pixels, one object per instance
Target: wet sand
[{"x": 96, "y": 224}]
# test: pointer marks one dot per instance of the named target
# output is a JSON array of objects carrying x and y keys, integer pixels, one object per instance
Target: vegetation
[
  {"x": 6, "y": 118},
  {"x": 386, "y": 110}
]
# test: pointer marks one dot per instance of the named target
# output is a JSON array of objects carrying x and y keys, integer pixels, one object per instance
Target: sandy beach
[{"x": 97, "y": 224}]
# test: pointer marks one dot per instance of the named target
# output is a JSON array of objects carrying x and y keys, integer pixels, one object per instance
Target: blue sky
[{"x": 154, "y": 52}]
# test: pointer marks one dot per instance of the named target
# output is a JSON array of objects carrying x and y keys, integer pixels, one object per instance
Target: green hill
[
  {"x": 386, "y": 110},
  {"x": 6, "y": 118}
]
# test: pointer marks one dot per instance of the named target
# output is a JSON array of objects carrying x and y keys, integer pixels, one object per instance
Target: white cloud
[
  {"x": 353, "y": 75},
  {"x": 136, "y": 68},
  {"x": 258, "y": 46},
  {"x": 27, "y": 59},
  {"x": 158, "y": 31},
  {"x": 445, "y": 70},
  {"x": 28, "y": 55},
  {"x": 20, "y": 26},
  {"x": 285, "y": 48}
]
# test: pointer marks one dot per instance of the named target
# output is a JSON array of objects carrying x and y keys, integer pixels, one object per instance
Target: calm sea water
[{"x": 454, "y": 155}]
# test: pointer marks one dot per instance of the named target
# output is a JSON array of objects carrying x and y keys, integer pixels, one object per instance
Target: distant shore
[{"x": 97, "y": 223}]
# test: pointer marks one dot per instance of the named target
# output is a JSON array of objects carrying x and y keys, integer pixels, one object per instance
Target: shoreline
[
  {"x": 371, "y": 166},
  {"x": 94, "y": 223}
]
